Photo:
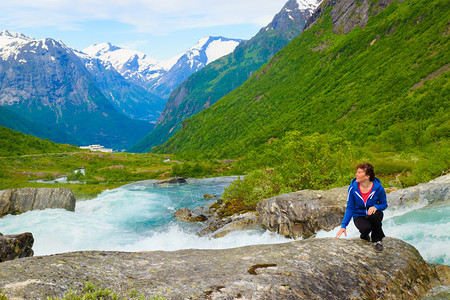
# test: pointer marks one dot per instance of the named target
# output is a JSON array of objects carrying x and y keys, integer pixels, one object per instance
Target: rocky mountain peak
[
  {"x": 293, "y": 12},
  {"x": 346, "y": 15},
  {"x": 12, "y": 34}
]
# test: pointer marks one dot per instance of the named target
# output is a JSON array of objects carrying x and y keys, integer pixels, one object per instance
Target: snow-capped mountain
[
  {"x": 127, "y": 97},
  {"x": 161, "y": 77},
  {"x": 44, "y": 81},
  {"x": 293, "y": 11},
  {"x": 133, "y": 65},
  {"x": 208, "y": 49},
  {"x": 12, "y": 44},
  {"x": 202, "y": 89}
]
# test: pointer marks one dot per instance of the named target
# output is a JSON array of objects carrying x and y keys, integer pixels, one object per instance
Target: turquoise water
[
  {"x": 428, "y": 229},
  {"x": 139, "y": 217}
]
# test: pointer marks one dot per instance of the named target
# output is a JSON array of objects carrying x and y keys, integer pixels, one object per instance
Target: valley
[{"x": 265, "y": 134}]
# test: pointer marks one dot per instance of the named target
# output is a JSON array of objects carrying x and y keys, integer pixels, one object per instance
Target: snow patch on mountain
[
  {"x": 213, "y": 47},
  {"x": 219, "y": 48},
  {"x": 308, "y": 4}
]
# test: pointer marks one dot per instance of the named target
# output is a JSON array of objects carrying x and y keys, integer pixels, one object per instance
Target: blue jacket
[{"x": 355, "y": 203}]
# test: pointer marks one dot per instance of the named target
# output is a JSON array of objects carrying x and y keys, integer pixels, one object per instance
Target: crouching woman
[{"x": 366, "y": 202}]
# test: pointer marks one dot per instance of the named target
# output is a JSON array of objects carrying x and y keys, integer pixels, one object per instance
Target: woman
[{"x": 365, "y": 203}]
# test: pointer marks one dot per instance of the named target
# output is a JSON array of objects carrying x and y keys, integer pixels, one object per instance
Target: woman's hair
[{"x": 368, "y": 169}]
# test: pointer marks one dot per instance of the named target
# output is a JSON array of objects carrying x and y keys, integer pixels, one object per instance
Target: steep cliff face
[
  {"x": 346, "y": 15},
  {"x": 205, "y": 87},
  {"x": 311, "y": 269}
]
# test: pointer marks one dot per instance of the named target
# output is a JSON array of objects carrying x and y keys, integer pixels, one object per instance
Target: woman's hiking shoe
[
  {"x": 365, "y": 237},
  {"x": 378, "y": 246}
]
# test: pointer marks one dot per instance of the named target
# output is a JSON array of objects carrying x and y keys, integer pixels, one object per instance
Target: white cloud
[{"x": 147, "y": 16}]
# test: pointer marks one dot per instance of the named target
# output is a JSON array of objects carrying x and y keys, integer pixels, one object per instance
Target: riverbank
[{"x": 102, "y": 171}]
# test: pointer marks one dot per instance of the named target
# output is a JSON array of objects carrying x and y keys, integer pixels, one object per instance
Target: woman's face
[{"x": 361, "y": 175}]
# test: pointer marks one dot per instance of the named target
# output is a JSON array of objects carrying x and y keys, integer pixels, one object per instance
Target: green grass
[
  {"x": 92, "y": 292},
  {"x": 103, "y": 170}
]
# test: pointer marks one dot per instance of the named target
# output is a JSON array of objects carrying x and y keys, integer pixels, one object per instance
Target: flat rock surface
[{"x": 312, "y": 269}]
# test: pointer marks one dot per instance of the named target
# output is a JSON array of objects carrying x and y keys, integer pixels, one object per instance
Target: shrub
[{"x": 293, "y": 163}]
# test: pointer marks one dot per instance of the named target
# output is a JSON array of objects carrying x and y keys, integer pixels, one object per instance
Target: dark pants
[{"x": 370, "y": 224}]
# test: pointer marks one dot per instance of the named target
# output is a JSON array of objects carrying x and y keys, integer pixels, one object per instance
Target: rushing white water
[
  {"x": 136, "y": 217},
  {"x": 139, "y": 217}
]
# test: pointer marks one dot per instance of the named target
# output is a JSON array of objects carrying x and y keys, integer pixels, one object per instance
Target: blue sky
[{"x": 159, "y": 28}]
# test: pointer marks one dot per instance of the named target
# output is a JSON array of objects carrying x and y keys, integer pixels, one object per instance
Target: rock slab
[
  {"x": 17, "y": 201},
  {"x": 311, "y": 269},
  {"x": 16, "y": 246}
]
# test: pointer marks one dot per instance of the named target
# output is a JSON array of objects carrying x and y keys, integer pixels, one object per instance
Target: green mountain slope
[
  {"x": 15, "y": 143},
  {"x": 207, "y": 86},
  {"x": 16, "y": 122},
  {"x": 385, "y": 83}
]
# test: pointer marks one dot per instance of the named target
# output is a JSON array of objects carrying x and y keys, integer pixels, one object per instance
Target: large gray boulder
[
  {"x": 17, "y": 201},
  {"x": 308, "y": 269},
  {"x": 247, "y": 221},
  {"x": 435, "y": 191},
  {"x": 303, "y": 213},
  {"x": 16, "y": 246}
]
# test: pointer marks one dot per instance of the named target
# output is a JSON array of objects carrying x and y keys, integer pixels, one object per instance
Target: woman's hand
[
  {"x": 371, "y": 210},
  {"x": 341, "y": 231}
]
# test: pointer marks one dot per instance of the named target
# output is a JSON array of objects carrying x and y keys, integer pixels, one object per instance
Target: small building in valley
[{"x": 97, "y": 148}]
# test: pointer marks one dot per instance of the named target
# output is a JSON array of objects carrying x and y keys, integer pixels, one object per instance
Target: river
[{"x": 139, "y": 217}]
